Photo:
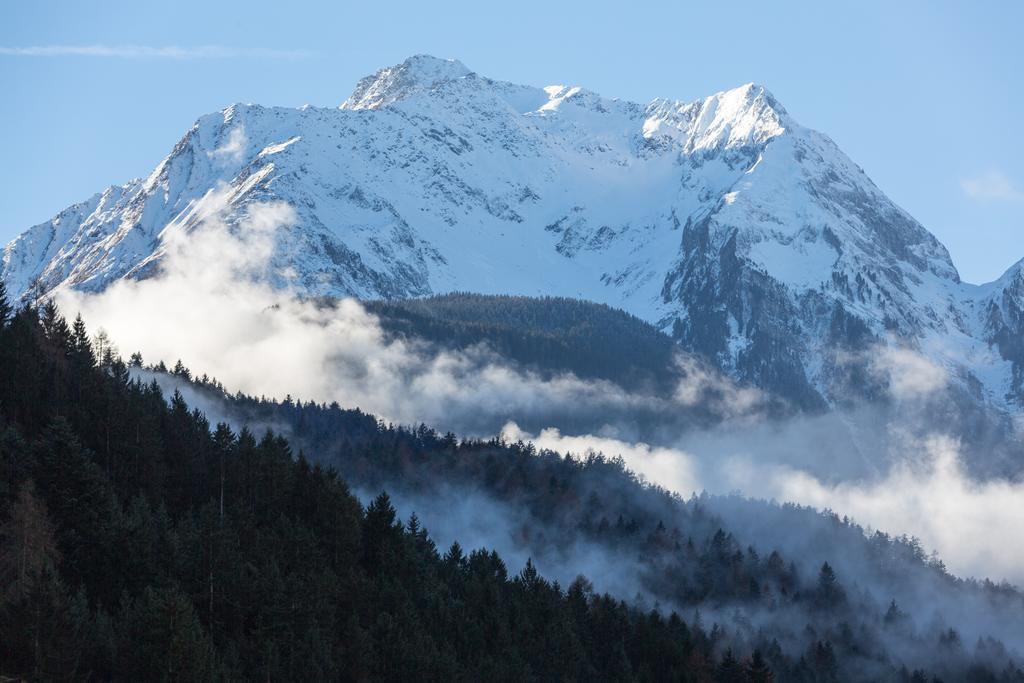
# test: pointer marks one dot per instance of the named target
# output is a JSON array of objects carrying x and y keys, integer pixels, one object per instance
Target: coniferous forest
[
  {"x": 548, "y": 334},
  {"x": 138, "y": 541}
]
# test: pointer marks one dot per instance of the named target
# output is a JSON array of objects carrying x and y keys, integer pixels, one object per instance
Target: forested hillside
[
  {"x": 555, "y": 337},
  {"x": 548, "y": 334},
  {"x": 759, "y": 581},
  {"x": 140, "y": 542}
]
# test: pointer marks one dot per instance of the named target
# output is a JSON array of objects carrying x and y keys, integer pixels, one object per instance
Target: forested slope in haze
[
  {"x": 549, "y": 334},
  {"x": 140, "y": 542}
]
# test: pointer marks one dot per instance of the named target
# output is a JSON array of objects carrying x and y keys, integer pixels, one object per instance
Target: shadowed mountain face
[{"x": 746, "y": 237}]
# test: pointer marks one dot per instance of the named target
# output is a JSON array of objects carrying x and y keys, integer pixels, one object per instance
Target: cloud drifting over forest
[
  {"x": 213, "y": 307},
  {"x": 926, "y": 493}
]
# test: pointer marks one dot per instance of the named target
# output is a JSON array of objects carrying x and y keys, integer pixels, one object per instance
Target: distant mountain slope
[{"x": 749, "y": 238}]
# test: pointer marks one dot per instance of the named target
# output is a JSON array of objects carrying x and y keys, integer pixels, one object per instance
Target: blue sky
[{"x": 928, "y": 97}]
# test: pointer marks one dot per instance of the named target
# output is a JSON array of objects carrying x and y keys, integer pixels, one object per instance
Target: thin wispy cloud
[
  {"x": 153, "y": 52},
  {"x": 992, "y": 186},
  {"x": 233, "y": 148}
]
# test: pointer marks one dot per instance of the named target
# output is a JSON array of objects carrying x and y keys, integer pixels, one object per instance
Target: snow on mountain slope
[
  {"x": 998, "y": 310},
  {"x": 750, "y": 238}
]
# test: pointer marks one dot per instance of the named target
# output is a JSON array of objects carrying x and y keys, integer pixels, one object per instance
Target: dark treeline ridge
[
  {"x": 554, "y": 336},
  {"x": 140, "y": 542},
  {"x": 547, "y": 334}
]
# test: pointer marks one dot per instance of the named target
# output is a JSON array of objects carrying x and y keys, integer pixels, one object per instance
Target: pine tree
[
  {"x": 758, "y": 670},
  {"x": 454, "y": 557},
  {"x": 823, "y": 660},
  {"x": 27, "y": 544},
  {"x": 163, "y": 640},
  {"x": 6, "y": 309},
  {"x": 55, "y": 327},
  {"x": 893, "y": 615},
  {"x": 81, "y": 347},
  {"x": 181, "y": 371},
  {"x": 41, "y": 632},
  {"x": 729, "y": 670},
  {"x": 79, "y": 500},
  {"x": 380, "y": 533},
  {"x": 830, "y": 594}
]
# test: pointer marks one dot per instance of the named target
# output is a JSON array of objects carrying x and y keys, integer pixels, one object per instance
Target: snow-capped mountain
[{"x": 750, "y": 238}]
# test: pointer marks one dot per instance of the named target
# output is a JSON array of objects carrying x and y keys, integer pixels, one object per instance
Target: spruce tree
[
  {"x": 830, "y": 594},
  {"x": 81, "y": 347},
  {"x": 6, "y": 309},
  {"x": 163, "y": 639},
  {"x": 28, "y": 546},
  {"x": 758, "y": 670},
  {"x": 55, "y": 327}
]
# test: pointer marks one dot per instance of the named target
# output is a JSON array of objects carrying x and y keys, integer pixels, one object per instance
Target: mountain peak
[
  {"x": 749, "y": 114},
  {"x": 393, "y": 83},
  {"x": 751, "y": 101},
  {"x": 721, "y": 214}
]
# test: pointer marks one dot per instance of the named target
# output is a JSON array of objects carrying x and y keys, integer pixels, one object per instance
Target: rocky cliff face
[
  {"x": 1000, "y": 310},
  {"x": 750, "y": 238}
]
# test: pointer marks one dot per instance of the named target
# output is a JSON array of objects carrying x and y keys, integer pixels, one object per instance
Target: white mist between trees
[{"x": 213, "y": 307}]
